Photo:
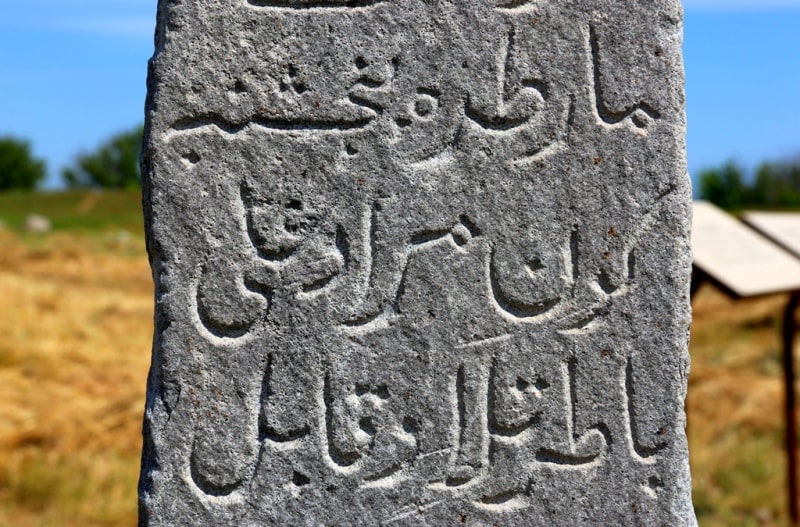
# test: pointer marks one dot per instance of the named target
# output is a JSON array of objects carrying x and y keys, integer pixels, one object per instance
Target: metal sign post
[{"x": 789, "y": 328}]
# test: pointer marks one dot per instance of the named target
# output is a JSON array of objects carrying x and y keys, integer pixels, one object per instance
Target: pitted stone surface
[{"x": 419, "y": 262}]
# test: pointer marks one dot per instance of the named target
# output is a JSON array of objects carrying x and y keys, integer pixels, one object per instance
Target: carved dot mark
[
  {"x": 424, "y": 105},
  {"x": 192, "y": 157},
  {"x": 426, "y": 102},
  {"x": 300, "y": 479},
  {"x": 655, "y": 483},
  {"x": 295, "y": 81},
  {"x": 410, "y": 425},
  {"x": 461, "y": 234},
  {"x": 606, "y": 283},
  {"x": 535, "y": 387},
  {"x": 368, "y": 426},
  {"x": 641, "y": 119},
  {"x": 382, "y": 391},
  {"x": 535, "y": 264}
]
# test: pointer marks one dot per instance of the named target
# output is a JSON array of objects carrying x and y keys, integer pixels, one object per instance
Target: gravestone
[{"x": 417, "y": 262}]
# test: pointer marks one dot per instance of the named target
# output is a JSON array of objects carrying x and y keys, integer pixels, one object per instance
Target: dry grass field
[
  {"x": 75, "y": 320},
  {"x": 735, "y": 411}
]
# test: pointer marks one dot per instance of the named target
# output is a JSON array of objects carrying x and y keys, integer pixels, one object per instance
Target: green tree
[
  {"x": 777, "y": 185},
  {"x": 764, "y": 190},
  {"x": 19, "y": 169},
  {"x": 724, "y": 187},
  {"x": 115, "y": 164}
]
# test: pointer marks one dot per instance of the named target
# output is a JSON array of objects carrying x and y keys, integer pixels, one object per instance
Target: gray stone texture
[{"x": 417, "y": 262}]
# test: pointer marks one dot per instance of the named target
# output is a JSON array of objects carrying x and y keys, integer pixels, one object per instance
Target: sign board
[
  {"x": 781, "y": 227},
  {"x": 738, "y": 259}
]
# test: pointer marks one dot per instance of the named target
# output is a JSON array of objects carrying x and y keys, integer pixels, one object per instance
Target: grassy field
[
  {"x": 76, "y": 322},
  {"x": 75, "y": 211}
]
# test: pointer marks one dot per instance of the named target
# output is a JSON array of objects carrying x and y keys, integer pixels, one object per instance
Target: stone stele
[{"x": 417, "y": 262}]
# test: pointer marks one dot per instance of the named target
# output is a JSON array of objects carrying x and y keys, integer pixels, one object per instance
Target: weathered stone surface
[{"x": 417, "y": 263}]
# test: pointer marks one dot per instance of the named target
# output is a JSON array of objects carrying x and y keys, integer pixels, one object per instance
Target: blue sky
[{"x": 72, "y": 72}]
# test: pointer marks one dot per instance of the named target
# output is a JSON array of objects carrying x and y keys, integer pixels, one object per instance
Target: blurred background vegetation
[
  {"x": 77, "y": 306},
  {"x": 19, "y": 169},
  {"x": 112, "y": 165},
  {"x": 773, "y": 185}
]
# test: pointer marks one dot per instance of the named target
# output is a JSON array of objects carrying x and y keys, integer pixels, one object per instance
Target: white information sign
[
  {"x": 739, "y": 259},
  {"x": 781, "y": 227}
]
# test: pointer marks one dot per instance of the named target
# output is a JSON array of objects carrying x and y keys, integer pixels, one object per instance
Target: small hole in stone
[
  {"x": 423, "y": 106},
  {"x": 410, "y": 425},
  {"x": 300, "y": 479},
  {"x": 382, "y": 392},
  {"x": 460, "y": 237},
  {"x": 293, "y": 71},
  {"x": 192, "y": 157},
  {"x": 362, "y": 389},
  {"x": 361, "y": 63},
  {"x": 239, "y": 87},
  {"x": 541, "y": 384},
  {"x": 351, "y": 150},
  {"x": 300, "y": 87},
  {"x": 535, "y": 264},
  {"x": 606, "y": 283},
  {"x": 522, "y": 384},
  {"x": 367, "y": 426},
  {"x": 640, "y": 119},
  {"x": 295, "y": 204},
  {"x": 403, "y": 122}
]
